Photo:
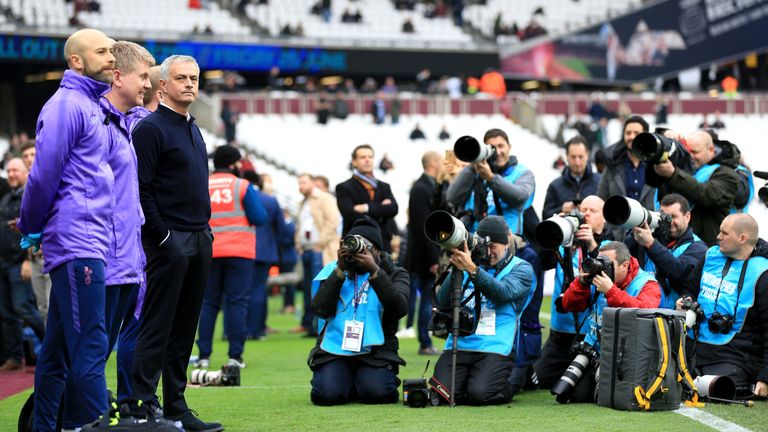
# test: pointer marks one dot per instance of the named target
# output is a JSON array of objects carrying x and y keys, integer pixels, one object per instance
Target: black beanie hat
[
  {"x": 225, "y": 155},
  {"x": 494, "y": 227},
  {"x": 368, "y": 228}
]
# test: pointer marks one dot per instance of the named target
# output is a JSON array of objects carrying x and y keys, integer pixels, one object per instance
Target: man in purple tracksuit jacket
[
  {"x": 125, "y": 257},
  {"x": 68, "y": 205}
]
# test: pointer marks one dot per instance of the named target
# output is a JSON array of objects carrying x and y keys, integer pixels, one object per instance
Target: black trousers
[
  {"x": 481, "y": 378},
  {"x": 176, "y": 277},
  {"x": 555, "y": 358}
]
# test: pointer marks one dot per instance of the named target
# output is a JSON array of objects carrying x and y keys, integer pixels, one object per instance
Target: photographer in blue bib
[
  {"x": 613, "y": 279},
  {"x": 669, "y": 250},
  {"x": 729, "y": 294},
  {"x": 358, "y": 300},
  {"x": 503, "y": 284},
  {"x": 567, "y": 239}
]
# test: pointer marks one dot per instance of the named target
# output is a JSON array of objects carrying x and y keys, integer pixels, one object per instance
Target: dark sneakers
[{"x": 191, "y": 423}]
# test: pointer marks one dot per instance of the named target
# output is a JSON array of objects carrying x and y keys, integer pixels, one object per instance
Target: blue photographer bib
[
  {"x": 723, "y": 292},
  {"x": 357, "y": 302},
  {"x": 668, "y": 300},
  {"x": 501, "y": 337},
  {"x": 703, "y": 174},
  {"x": 512, "y": 215},
  {"x": 595, "y": 320}
]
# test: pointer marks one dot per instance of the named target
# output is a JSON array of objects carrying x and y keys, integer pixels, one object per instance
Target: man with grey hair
[
  {"x": 173, "y": 188},
  {"x": 731, "y": 286}
]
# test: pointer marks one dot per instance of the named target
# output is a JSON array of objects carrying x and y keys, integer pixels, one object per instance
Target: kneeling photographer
[
  {"x": 728, "y": 295},
  {"x": 503, "y": 284},
  {"x": 669, "y": 249},
  {"x": 359, "y": 300},
  {"x": 613, "y": 279}
]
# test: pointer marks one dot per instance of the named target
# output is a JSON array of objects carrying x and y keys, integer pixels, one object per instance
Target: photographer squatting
[
  {"x": 485, "y": 358},
  {"x": 614, "y": 279},
  {"x": 358, "y": 299}
]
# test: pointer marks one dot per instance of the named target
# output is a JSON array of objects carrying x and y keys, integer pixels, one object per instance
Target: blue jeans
[
  {"x": 422, "y": 284},
  {"x": 348, "y": 379},
  {"x": 313, "y": 263},
  {"x": 17, "y": 305},
  {"x": 230, "y": 278},
  {"x": 75, "y": 345},
  {"x": 257, "y": 309}
]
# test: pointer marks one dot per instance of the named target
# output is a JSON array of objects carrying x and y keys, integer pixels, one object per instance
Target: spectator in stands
[
  {"x": 41, "y": 282},
  {"x": 624, "y": 172},
  {"x": 630, "y": 286},
  {"x": 347, "y": 16},
  {"x": 173, "y": 185},
  {"x": 229, "y": 118},
  {"x": 208, "y": 31},
  {"x": 70, "y": 160},
  {"x": 717, "y": 124},
  {"x": 267, "y": 255},
  {"x": 323, "y": 110},
  {"x": 704, "y": 123},
  {"x": 444, "y": 134},
  {"x": 712, "y": 189},
  {"x": 386, "y": 164},
  {"x": 232, "y": 268},
  {"x": 408, "y": 27},
  {"x": 576, "y": 182},
  {"x": 357, "y": 17},
  {"x": 670, "y": 258},
  {"x": 349, "y": 86},
  {"x": 484, "y": 360},
  {"x": 317, "y": 240},
  {"x": 369, "y": 86},
  {"x": 481, "y": 187},
  {"x": 737, "y": 350},
  {"x": 422, "y": 254},
  {"x": 492, "y": 82},
  {"x": 379, "y": 109},
  {"x": 363, "y": 195},
  {"x": 395, "y": 106},
  {"x": 340, "y": 106},
  {"x": 365, "y": 371},
  {"x": 389, "y": 87},
  {"x": 274, "y": 82},
  {"x": 405, "y": 5},
  {"x": 455, "y": 86},
  {"x": 662, "y": 110},
  {"x": 417, "y": 133},
  {"x": 534, "y": 29},
  {"x": 299, "y": 30},
  {"x": 424, "y": 80},
  {"x": 17, "y": 299}
]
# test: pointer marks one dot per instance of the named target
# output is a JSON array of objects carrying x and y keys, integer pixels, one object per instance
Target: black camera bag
[{"x": 642, "y": 355}]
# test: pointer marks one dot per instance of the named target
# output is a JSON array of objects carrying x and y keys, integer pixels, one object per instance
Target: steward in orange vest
[{"x": 235, "y": 208}]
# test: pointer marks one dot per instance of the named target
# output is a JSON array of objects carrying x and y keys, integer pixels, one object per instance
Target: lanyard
[{"x": 357, "y": 297}]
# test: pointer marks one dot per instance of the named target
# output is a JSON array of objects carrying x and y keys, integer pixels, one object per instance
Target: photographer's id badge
[
  {"x": 353, "y": 336},
  {"x": 487, "y": 324}
]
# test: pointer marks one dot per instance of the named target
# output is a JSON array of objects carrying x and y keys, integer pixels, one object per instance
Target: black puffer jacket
[
  {"x": 392, "y": 287},
  {"x": 712, "y": 200}
]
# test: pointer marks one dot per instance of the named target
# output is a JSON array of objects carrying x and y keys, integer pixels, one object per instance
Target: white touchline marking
[{"x": 710, "y": 420}]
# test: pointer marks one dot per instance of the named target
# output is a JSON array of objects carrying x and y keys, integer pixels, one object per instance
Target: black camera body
[
  {"x": 480, "y": 250},
  {"x": 354, "y": 244},
  {"x": 720, "y": 323},
  {"x": 585, "y": 356},
  {"x": 694, "y": 314},
  {"x": 416, "y": 393},
  {"x": 595, "y": 266},
  {"x": 440, "y": 324}
]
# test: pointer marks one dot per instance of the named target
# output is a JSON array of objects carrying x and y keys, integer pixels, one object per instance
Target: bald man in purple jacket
[{"x": 67, "y": 205}]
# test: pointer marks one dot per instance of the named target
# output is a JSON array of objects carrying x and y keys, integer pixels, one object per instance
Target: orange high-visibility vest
[{"x": 234, "y": 235}]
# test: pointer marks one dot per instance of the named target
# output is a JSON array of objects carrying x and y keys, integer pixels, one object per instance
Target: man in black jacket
[
  {"x": 731, "y": 284},
  {"x": 359, "y": 300},
  {"x": 173, "y": 188},
  {"x": 670, "y": 257},
  {"x": 17, "y": 300},
  {"x": 422, "y": 255},
  {"x": 577, "y": 182},
  {"x": 712, "y": 188},
  {"x": 624, "y": 173},
  {"x": 365, "y": 195}
]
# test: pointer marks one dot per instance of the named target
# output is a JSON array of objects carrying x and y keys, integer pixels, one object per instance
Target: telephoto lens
[{"x": 565, "y": 385}]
